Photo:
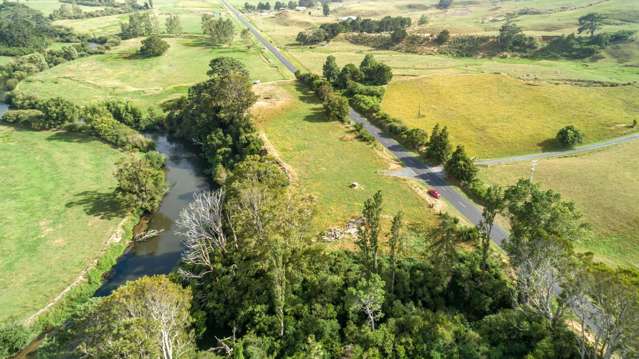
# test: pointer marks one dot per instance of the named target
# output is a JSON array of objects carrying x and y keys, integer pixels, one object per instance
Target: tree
[
  {"x": 508, "y": 33},
  {"x": 396, "y": 245},
  {"x": 145, "y": 318},
  {"x": 569, "y": 136},
  {"x": 375, "y": 73},
  {"x": 423, "y": 20},
  {"x": 590, "y": 23},
  {"x": 443, "y": 243},
  {"x": 220, "y": 31},
  {"x": 349, "y": 72},
  {"x": 367, "y": 298},
  {"x": 140, "y": 185},
  {"x": 331, "y": 70},
  {"x": 610, "y": 299},
  {"x": 173, "y": 25},
  {"x": 438, "y": 149},
  {"x": 215, "y": 116},
  {"x": 461, "y": 167},
  {"x": 13, "y": 337},
  {"x": 326, "y": 10},
  {"x": 153, "y": 46},
  {"x": 336, "y": 107},
  {"x": 23, "y": 27},
  {"x": 442, "y": 37},
  {"x": 246, "y": 36},
  {"x": 444, "y": 4},
  {"x": 398, "y": 36},
  {"x": 494, "y": 204},
  {"x": 140, "y": 24},
  {"x": 368, "y": 235}
]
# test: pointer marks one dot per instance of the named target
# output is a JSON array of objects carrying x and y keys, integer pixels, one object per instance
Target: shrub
[
  {"x": 443, "y": 37},
  {"x": 102, "y": 124},
  {"x": 336, "y": 107},
  {"x": 353, "y": 88},
  {"x": 141, "y": 184},
  {"x": 27, "y": 118},
  {"x": 569, "y": 136},
  {"x": 461, "y": 167},
  {"x": 153, "y": 46},
  {"x": 13, "y": 337},
  {"x": 123, "y": 111},
  {"x": 10, "y": 84}
]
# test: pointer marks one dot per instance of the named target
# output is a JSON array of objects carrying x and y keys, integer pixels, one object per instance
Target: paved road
[
  {"x": 581, "y": 149},
  {"x": 433, "y": 177}
]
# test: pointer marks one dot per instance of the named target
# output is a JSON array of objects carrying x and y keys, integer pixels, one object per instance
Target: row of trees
[{"x": 326, "y": 32}]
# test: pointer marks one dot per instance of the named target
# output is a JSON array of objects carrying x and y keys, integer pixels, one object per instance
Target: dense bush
[
  {"x": 153, "y": 46},
  {"x": 27, "y": 118},
  {"x": 327, "y": 32},
  {"x": 569, "y": 136},
  {"x": 13, "y": 337},
  {"x": 139, "y": 24},
  {"x": 141, "y": 183},
  {"x": 461, "y": 167}
]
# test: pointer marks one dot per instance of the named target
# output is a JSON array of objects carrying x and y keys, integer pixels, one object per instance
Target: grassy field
[
  {"x": 605, "y": 189},
  {"x": 145, "y": 81},
  {"x": 57, "y": 213},
  {"x": 325, "y": 159},
  {"x": 497, "y": 115}
]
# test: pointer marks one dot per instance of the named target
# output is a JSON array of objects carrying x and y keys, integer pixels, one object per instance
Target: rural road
[
  {"x": 538, "y": 156},
  {"x": 432, "y": 177}
]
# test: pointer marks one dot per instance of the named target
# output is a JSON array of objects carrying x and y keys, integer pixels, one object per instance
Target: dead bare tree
[{"x": 201, "y": 224}]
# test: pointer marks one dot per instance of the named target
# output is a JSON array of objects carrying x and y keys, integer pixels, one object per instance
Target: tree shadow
[
  {"x": 306, "y": 95},
  {"x": 550, "y": 145},
  {"x": 100, "y": 204},
  {"x": 71, "y": 137}
]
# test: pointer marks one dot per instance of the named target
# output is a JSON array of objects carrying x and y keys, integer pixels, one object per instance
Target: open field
[
  {"x": 145, "y": 81},
  {"x": 325, "y": 159},
  {"x": 605, "y": 189},
  {"x": 496, "y": 115},
  {"x": 57, "y": 213}
]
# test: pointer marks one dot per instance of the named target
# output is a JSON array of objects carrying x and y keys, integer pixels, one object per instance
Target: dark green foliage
[
  {"x": 377, "y": 74},
  {"x": 444, "y": 4},
  {"x": 327, "y": 32},
  {"x": 423, "y": 20},
  {"x": 23, "y": 27},
  {"x": 336, "y": 107},
  {"x": 438, "y": 150},
  {"x": 214, "y": 116},
  {"x": 571, "y": 47},
  {"x": 362, "y": 134},
  {"x": 512, "y": 38},
  {"x": 130, "y": 115},
  {"x": 141, "y": 183},
  {"x": 219, "y": 30},
  {"x": 25, "y": 118},
  {"x": 66, "y": 11},
  {"x": 349, "y": 72},
  {"x": 460, "y": 166},
  {"x": 326, "y": 10},
  {"x": 516, "y": 333},
  {"x": 353, "y": 88},
  {"x": 331, "y": 70},
  {"x": 442, "y": 37},
  {"x": 13, "y": 337},
  {"x": 312, "y": 37},
  {"x": 153, "y": 46},
  {"x": 569, "y": 136},
  {"x": 590, "y": 23}
]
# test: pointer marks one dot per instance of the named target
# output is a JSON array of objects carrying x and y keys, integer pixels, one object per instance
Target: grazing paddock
[
  {"x": 496, "y": 115},
  {"x": 145, "y": 81},
  {"x": 325, "y": 158},
  {"x": 605, "y": 189},
  {"x": 58, "y": 213}
]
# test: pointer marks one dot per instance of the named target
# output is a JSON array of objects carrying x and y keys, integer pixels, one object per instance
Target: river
[{"x": 160, "y": 254}]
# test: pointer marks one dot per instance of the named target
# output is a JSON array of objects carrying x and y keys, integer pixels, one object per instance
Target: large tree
[
  {"x": 215, "y": 116},
  {"x": 219, "y": 30},
  {"x": 590, "y": 23},
  {"x": 330, "y": 69},
  {"x": 146, "y": 318},
  {"x": 141, "y": 185}
]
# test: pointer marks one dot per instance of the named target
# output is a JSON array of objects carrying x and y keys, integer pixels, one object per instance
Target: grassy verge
[
  {"x": 58, "y": 213},
  {"x": 605, "y": 189}
]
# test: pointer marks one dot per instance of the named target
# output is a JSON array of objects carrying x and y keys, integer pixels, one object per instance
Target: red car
[{"x": 433, "y": 193}]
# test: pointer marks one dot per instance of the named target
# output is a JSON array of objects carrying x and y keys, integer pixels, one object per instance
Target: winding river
[{"x": 160, "y": 254}]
